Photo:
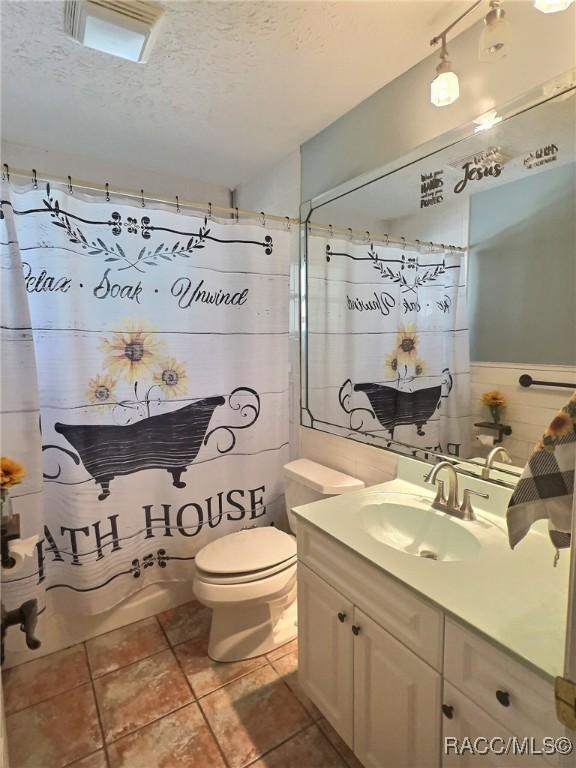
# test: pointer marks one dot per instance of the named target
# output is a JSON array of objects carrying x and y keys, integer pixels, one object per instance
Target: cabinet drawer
[
  {"x": 506, "y": 690},
  {"x": 469, "y": 722},
  {"x": 409, "y": 618}
]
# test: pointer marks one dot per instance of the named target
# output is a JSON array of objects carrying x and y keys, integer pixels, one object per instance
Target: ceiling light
[
  {"x": 495, "y": 37},
  {"x": 552, "y": 6},
  {"x": 487, "y": 121},
  {"x": 445, "y": 88},
  {"x": 117, "y": 27}
]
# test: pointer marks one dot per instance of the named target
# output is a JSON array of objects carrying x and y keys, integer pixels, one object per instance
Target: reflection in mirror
[{"x": 417, "y": 339}]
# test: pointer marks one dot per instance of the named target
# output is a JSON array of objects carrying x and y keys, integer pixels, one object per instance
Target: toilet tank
[{"x": 306, "y": 481}]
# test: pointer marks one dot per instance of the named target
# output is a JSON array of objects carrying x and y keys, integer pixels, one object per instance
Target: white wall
[
  {"x": 124, "y": 177},
  {"x": 529, "y": 410}
]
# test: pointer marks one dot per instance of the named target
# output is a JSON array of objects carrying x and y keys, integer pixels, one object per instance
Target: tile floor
[{"x": 148, "y": 696}]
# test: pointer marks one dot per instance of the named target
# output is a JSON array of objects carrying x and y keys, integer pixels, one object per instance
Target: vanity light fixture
[
  {"x": 445, "y": 88},
  {"x": 552, "y": 6},
  {"x": 495, "y": 38}
]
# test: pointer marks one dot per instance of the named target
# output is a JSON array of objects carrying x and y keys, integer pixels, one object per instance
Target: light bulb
[
  {"x": 445, "y": 88},
  {"x": 495, "y": 37},
  {"x": 552, "y": 6}
]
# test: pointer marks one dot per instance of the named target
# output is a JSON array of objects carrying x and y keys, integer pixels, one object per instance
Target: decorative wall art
[
  {"x": 387, "y": 345},
  {"x": 146, "y": 389}
]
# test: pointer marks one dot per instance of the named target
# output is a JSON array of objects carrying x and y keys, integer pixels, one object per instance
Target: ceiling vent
[
  {"x": 124, "y": 28},
  {"x": 487, "y": 157}
]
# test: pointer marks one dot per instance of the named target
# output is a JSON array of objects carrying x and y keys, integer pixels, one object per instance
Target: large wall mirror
[{"x": 435, "y": 292}]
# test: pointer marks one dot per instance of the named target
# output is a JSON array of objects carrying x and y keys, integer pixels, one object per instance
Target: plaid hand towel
[{"x": 546, "y": 486}]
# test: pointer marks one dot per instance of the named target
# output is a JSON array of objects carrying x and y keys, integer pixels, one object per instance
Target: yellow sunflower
[
  {"x": 11, "y": 472},
  {"x": 101, "y": 389},
  {"x": 171, "y": 377},
  {"x": 406, "y": 342},
  {"x": 131, "y": 354},
  {"x": 391, "y": 365}
]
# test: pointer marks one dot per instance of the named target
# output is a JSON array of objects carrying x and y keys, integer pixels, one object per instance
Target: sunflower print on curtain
[{"x": 147, "y": 354}]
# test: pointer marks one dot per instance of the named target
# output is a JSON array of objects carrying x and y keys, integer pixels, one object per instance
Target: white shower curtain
[
  {"x": 387, "y": 344},
  {"x": 145, "y": 389}
]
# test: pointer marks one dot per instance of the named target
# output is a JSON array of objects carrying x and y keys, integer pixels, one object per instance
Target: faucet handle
[
  {"x": 466, "y": 506},
  {"x": 440, "y": 498}
]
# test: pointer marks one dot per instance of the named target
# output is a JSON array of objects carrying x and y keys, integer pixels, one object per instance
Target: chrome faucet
[
  {"x": 494, "y": 453},
  {"x": 450, "y": 504}
]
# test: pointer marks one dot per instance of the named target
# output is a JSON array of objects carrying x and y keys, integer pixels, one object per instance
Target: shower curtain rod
[
  {"x": 175, "y": 201},
  {"x": 209, "y": 209},
  {"x": 384, "y": 239}
]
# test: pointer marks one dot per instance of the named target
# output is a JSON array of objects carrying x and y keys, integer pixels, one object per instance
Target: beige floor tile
[
  {"x": 283, "y": 650},
  {"x": 124, "y": 646},
  {"x": 287, "y": 668},
  {"x": 179, "y": 740},
  {"x": 205, "y": 675},
  {"x": 56, "y": 732},
  {"x": 252, "y": 715},
  {"x": 136, "y": 695},
  {"x": 343, "y": 749},
  {"x": 186, "y": 622},
  {"x": 44, "y": 678},
  {"x": 97, "y": 760},
  {"x": 309, "y": 749}
]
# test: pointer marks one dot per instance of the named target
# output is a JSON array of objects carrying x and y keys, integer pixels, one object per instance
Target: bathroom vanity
[{"x": 399, "y": 650}]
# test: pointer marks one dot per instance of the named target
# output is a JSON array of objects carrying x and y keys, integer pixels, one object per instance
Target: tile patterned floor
[{"x": 148, "y": 696}]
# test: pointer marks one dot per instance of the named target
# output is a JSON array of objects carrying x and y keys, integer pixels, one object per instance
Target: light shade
[
  {"x": 495, "y": 37},
  {"x": 552, "y": 6},
  {"x": 444, "y": 89}
]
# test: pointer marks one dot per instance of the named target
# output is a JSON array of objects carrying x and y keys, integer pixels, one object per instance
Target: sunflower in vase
[
  {"x": 11, "y": 473},
  {"x": 495, "y": 401}
]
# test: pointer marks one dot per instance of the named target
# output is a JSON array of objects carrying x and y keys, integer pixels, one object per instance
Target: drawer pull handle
[
  {"x": 341, "y": 617},
  {"x": 356, "y": 629},
  {"x": 448, "y": 711},
  {"x": 503, "y": 697}
]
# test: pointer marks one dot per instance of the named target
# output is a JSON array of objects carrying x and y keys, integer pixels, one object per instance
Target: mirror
[{"x": 434, "y": 291}]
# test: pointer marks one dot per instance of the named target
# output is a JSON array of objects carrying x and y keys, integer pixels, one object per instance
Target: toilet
[{"x": 248, "y": 578}]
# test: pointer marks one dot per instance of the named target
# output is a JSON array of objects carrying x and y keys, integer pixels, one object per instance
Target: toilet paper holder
[
  {"x": 9, "y": 530},
  {"x": 501, "y": 429}
]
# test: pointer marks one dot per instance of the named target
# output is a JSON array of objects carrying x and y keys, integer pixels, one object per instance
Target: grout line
[
  {"x": 336, "y": 750},
  {"x": 131, "y": 664},
  {"x": 96, "y": 705},
  {"x": 280, "y": 744}
]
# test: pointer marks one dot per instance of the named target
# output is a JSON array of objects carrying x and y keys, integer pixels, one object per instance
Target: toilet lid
[{"x": 253, "y": 549}]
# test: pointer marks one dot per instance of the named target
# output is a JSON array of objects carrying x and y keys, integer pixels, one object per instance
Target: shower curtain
[
  {"x": 387, "y": 344},
  {"x": 145, "y": 389}
]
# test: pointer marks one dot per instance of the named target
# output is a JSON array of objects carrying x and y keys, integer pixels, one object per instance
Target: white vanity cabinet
[{"x": 395, "y": 678}]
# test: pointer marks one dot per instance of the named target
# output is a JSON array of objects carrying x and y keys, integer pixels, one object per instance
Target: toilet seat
[{"x": 246, "y": 556}]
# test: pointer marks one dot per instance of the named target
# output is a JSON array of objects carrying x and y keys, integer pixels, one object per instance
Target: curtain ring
[
  {"x": 403, "y": 243},
  {"x": 443, "y": 246},
  {"x": 6, "y": 172},
  {"x": 431, "y": 246},
  {"x": 70, "y": 190},
  {"x": 387, "y": 240},
  {"x": 330, "y": 231},
  {"x": 209, "y": 210},
  {"x": 107, "y": 192},
  {"x": 418, "y": 245},
  {"x": 367, "y": 236},
  {"x": 34, "y": 179},
  {"x": 177, "y": 205},
  {"x": 237, "y": 214},
  {"x": 350, "y": 233},
  {"x": 288, "y": 223},
  {"x": 142, "y": 203},
  {"x": 263, "y": 218}
]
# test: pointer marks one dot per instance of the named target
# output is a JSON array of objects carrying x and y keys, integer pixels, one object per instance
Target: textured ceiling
[{"x": 229, "y": 88}]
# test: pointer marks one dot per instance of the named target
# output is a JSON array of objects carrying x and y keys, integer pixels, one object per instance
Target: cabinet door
[
  {"x": 464, "y": 723},
  {"x": 397, "y": 702},
  {"x": 325, "y": 664}
]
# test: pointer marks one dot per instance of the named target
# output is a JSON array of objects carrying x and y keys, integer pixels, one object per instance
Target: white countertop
[{"x": 515, "y": 598}]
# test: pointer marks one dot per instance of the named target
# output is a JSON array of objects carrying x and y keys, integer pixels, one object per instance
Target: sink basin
[{"x": 411, "y": 526}]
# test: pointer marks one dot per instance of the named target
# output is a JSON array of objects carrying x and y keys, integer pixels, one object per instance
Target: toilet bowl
[{"x": 248, "y": 578}]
